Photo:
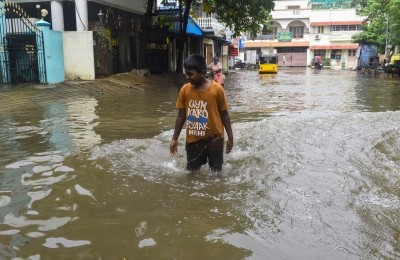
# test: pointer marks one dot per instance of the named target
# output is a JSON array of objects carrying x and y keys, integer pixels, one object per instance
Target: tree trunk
[
  {"x": 146, "y": 27},
  {"x": 183, "y": 22}
]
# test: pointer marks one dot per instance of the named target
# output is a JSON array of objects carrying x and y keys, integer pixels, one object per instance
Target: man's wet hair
[{"x": 195, "y": 62}]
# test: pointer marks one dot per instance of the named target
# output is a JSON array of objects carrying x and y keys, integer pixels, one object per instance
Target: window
[
  {"x": 295, "y": 8},
  {"x": 297, "y": 31},
  {"x": 320, "y": 29},
  {"x": 321, "y": 53},
  {"x": 352, "y": 53},
  {"x": 336, "y": 55},
  {"x": 356, "y": 27}
]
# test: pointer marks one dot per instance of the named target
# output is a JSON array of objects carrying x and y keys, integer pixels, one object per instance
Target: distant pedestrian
[
  {"x": 317, "y": 62},
  {"x": 216, "y": 70},
  {"x": 284, "y": 60}
]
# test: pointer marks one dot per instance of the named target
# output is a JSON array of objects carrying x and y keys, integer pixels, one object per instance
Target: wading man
[{"x": 202, "y": 103}]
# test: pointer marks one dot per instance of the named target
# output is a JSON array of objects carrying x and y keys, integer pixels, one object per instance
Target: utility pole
[{"x": 387, "y": 49}]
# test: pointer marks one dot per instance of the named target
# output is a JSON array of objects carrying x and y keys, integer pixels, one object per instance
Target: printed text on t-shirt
[{"x": 197, "y": 117}]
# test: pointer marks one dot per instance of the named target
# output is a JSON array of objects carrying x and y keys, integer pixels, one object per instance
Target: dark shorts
[{"x": 201, "y": 152}]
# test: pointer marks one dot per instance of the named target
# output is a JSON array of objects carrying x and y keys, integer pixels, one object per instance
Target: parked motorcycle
[{"x": 240, "y": 65}]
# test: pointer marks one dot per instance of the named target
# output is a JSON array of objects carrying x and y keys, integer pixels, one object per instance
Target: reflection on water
[
  {"x": 313, "y": 175},
  {"x": 32, "y": 122},
  {"x": 291, "y": 93}
]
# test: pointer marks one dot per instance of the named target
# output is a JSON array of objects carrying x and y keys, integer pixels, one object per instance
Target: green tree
[
  {"x": 241, "y": 15},
  {"x": 382, "y": 23}
]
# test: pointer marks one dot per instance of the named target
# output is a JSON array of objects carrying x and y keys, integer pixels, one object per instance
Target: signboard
[
  {"x": 232, "y": 51},
  {"x": 285, "y": 37},
  {"x": 241, "y": 43}
]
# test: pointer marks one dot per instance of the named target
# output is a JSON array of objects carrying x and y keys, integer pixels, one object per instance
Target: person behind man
[
  {"x": 203, "y": 105},
  {"x": 317, "y": 62},
  {"x": 284, "y": 60},
  {"x": 216, "y": 69}
]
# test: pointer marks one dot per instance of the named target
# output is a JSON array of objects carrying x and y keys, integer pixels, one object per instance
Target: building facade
[
  {"x": 302, "y": 29},
  {"x": 216, "y": 37}
]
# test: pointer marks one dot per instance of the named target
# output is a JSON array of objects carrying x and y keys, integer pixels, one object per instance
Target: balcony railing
[
  {"x": 210, "y": 23},
  {"x": 266, "y": 37},
  {"x": 271, "y": 37}
]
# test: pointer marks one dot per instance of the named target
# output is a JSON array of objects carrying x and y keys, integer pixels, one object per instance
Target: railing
[
  {"x": 210, "y": 23},
  {"x": 330, "y": 4},
  {"x": 271, "y": 37},
  {"x": 266, "y": 37},
  {"x": 292, "y": 13}
]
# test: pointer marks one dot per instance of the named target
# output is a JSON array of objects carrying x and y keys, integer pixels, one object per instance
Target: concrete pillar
[
  {"x": 45, "y": 28},
  {"x": 81, "y": 12},
  {"x": 57, "y": 16},
  {"x": 50, "y": 58}
]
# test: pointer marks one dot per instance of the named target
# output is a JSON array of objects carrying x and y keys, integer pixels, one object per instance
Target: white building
[
  {"x": 303, "y": 29},
  {"x": 216, "y": 37}
]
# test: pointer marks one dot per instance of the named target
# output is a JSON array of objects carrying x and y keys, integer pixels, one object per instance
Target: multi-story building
[
  {"x": 205, "y": 35},
  {"x": 302, "y": 29},
  {"x": 216, "y": 36}
]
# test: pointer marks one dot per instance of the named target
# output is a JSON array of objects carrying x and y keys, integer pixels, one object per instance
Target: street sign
[{"x": 232, "y": 51}]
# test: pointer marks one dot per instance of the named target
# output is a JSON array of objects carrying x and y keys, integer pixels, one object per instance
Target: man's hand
[
  {"x": 229, "y": 145},
  {"x": 173, "y": 147}
]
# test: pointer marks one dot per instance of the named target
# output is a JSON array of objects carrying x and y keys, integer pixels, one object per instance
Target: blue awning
[{"x": 192, "y": 27}]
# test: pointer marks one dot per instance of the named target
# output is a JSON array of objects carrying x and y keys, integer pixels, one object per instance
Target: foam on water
[
  {"x": 297, "y": 173},
  {"x": 283, "y": 145}
]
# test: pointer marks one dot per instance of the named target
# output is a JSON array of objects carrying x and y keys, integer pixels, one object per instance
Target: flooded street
[{"x": 314, "y": 172}]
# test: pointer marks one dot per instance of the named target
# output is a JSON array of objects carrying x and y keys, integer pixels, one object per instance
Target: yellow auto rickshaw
[
  {"x": 393, "y": 67},
  {"x": 268, "y": 63}
]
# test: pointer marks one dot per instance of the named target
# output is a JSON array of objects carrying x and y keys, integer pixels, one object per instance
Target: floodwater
[{"x": 314, "y": 173}]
